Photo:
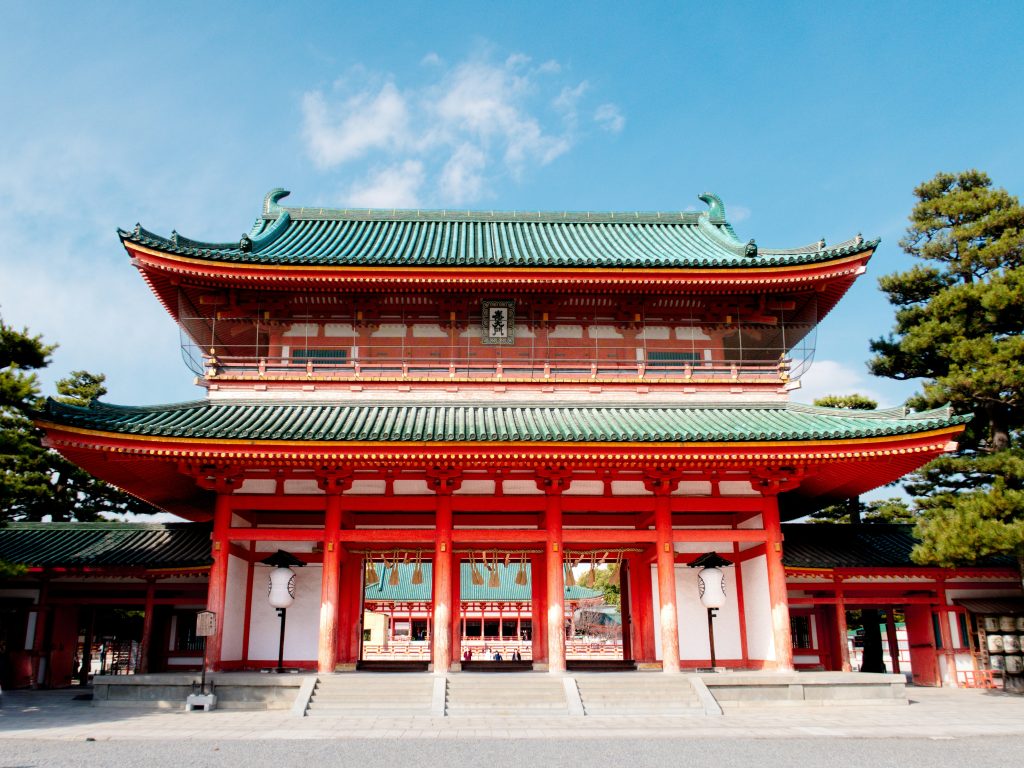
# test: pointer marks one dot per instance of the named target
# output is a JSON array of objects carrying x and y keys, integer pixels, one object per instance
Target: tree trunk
[{"x": 999, "y": 431}]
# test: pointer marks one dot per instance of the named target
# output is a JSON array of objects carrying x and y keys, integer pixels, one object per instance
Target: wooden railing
[{"x": 246, "y": 368}]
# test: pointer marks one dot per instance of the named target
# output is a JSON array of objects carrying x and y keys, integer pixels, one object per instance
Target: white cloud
[
  {"x": 362, "y": 123},
  {"x": 395, "y": 186},
  {"x": 829, "y": 377},
  {"x": 462, "y": 176},
  {"x": 474, "y": 123},
  {"x": 610, "y": 118},
  {"x": 737, "y": 213}
]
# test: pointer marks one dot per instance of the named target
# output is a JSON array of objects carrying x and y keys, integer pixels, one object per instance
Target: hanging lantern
[
  {"x": 711, "y": 583},
  {"x": 281, "y": 587}
]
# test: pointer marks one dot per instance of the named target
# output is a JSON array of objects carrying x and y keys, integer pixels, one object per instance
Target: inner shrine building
[{"x": 453, "y": 392}]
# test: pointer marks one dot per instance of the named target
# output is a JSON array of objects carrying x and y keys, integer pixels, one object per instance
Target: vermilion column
[
  {"x": 841, "y": 630},
  {"x": 456, "y": 582},
  {"x": 555, "y": 578},
  {"x": 217, "y": 591},
  {"x": 351, "y": 607},
  {"x": 666, "y": 558},
  {"x": 641, "y": 624},
  {"x": 893, "y": 638},
  {"x": 442, "y": 628},
  {"x": 781, "y": 630},
  {"x": 539, "y": 608},
  {"x": 330, "y": 586},
  {"x": 147, "y": 628}
]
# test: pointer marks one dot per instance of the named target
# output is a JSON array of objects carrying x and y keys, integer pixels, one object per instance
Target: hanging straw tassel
[
  {"x": 615, "y": 578},
  {"x": 521, "y": 574},
  {"x": 475, "y": 576},
  {"x": 508, "y": 559},
  {"x": 372, "y": 577},
  {"x": 590, "y": 578},
  {"x": 495, "y": 580},
  {"x": 394, "y": 579},
  {"x": 417, "y": 571},
  {"x": 405, "y": 558},
  {"x": 570, "y": 579}
]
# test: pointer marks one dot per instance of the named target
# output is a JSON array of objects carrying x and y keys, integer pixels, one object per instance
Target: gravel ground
[{"x": 472, "y": 753}]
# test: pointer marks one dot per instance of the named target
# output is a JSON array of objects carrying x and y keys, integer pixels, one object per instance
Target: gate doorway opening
[
  {"x": 596, "y": 610},
  {"x": 396, "y": 612},
  {"x": 496, "y": 619}
]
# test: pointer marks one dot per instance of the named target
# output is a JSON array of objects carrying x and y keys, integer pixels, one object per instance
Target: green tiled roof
[
  {"x": 111, "y": 545},
  {"x": 340, "y": 422},
  {"x": 508, "y": 590},
  {"x": 414, "y": 238},
  {"x": 870, "y": 545}
]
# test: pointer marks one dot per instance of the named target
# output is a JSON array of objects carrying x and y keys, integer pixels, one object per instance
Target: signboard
[
  {"x": 206, "y": 624},
  {"x": 498, "y": 323}
]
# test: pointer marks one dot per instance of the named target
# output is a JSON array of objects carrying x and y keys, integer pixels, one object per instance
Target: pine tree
[
  {"x": 959, "y": 324},
  {"x": 37, "y": 483}
]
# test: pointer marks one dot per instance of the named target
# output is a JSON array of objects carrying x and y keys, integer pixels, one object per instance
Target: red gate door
[{"x": 924, "y": 662}]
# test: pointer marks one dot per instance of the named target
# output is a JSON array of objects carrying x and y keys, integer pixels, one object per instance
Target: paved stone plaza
[{"x": 932, "y": 714}]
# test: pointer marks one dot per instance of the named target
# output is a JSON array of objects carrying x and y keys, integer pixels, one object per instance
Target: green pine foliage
[
  {"x": 959, "y": 324},
  {"x": 37, "y": 483}
]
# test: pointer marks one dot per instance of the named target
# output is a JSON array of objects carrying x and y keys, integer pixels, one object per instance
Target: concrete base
[
  {"x": 234, "y": 690},
  {"x": 763, "y": 689},
  {"x": 207, "y": 702}
]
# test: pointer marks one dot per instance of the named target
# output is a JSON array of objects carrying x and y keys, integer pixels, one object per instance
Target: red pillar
[
  {"x": 442, "y": 591},
  {"x": 217, "y": 590},
  {"x": 553, "y": 562},
  {"x": 40, "y": 646},
  {"x": 330, "y": 585},
  {"x": 539, "y": 608},
  {"x": 456, "y": 582},
  {"x": 668, "y": 613},
  {"x": 147, "y": 628},
  {"x": 351, "y": 607},
  {"x": 626, "y": 609},
  {"x": 781, "y": 631},
  {"x": 841, "y": 630},
  {"x": 642, "y": 607},
  {"x": 893, "y": 638}
]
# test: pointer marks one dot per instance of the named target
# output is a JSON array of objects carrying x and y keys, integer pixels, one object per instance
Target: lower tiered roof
[{"x": 343, "y": 422}]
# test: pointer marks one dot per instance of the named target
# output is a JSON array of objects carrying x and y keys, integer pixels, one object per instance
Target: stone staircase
[
  {"x": 643, "y": 693},
  {"x": 518, "y": 695},
  {"x": 371, "y": 695}
]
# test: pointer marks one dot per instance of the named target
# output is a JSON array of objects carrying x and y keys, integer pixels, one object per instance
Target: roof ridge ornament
[
  {"x": 750, "y": 249},
  {"x": 271, "y": 200},
  {"x": 716, "y": 208}
]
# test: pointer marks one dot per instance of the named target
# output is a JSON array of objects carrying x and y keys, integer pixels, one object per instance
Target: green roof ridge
[{"x": 379, "y": 237}]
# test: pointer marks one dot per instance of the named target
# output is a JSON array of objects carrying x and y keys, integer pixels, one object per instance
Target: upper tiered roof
[{"x": 324, "y": 237}]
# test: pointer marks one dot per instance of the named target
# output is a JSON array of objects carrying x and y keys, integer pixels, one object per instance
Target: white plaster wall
[
  {"x": 234, "y": 610},
  {"x": 693, "y": 618},
  {"x": 757, "y": 609},
  {"x": 302, "y": 629}
]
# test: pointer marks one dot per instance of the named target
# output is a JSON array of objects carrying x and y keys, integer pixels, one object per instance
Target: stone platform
[{"x": 584, "y": 693}]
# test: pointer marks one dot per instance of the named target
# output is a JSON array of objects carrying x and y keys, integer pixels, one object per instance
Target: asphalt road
[{"x": 970, "y": 752}]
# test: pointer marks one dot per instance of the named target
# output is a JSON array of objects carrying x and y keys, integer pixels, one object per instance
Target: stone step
[{"x": 392, "y": 712}]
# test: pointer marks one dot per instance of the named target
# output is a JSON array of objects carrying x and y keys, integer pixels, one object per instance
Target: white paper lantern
[
  {"x": 711, "y": 583},
  {"x": 282, "y": 587}
]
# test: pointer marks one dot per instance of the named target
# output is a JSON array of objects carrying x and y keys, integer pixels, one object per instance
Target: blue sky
[{"x": 809, "y": 119}]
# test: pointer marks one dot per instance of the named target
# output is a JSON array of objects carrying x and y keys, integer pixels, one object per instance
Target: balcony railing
[{"x": 538, "y": 370}]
